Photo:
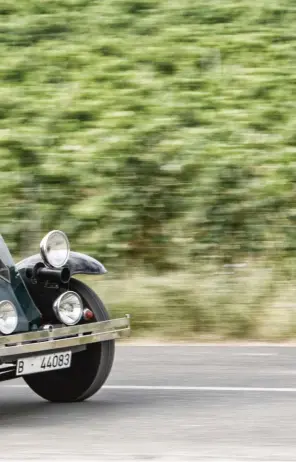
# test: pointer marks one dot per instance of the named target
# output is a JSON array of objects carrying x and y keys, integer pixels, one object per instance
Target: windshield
[{"x": 5, "y": 255}]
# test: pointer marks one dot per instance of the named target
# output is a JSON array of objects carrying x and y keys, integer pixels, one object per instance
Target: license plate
[{"x": 44, "y": 363}]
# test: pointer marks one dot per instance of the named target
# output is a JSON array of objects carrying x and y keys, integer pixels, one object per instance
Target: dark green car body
[{"x": 13, "y": 288}]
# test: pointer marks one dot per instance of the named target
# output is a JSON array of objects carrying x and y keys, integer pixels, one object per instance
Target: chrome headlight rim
[
  {"x": 57, "y": 308},
  {"x": 8, "y": 331},
  {"x": 44, "y": 252}
]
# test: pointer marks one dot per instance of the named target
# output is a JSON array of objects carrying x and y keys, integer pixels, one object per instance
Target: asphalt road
[{"x": 165, "y": 403}]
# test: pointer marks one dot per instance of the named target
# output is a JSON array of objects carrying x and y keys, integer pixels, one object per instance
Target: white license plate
[{"x": 44, "y": 363}]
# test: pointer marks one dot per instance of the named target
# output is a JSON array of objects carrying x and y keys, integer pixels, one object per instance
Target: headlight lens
[
  {"x": 68, "y": 308},
  {"x": 8, "y": 317},
  {"x": 55, "y": 249}
]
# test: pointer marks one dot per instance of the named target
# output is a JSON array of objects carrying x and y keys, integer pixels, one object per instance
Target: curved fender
[{"x": 79, "y": 263}]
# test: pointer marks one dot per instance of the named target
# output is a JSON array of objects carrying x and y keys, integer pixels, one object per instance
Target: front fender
[{"x": 79, "y": 263}]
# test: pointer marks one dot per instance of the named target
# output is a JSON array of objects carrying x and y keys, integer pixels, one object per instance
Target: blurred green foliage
[{"x": 156, "y": 134}]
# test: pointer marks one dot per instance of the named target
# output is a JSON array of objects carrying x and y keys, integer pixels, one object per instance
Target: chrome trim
[
  {"x": 8, "y": 302},
  {"x": 43, "y": 245},
  {"x": 59, "y": 301},
  {"x": 64, "y": 337}
]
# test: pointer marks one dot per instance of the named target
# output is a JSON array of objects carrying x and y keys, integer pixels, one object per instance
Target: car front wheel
[{"x": 89, "y": 369}]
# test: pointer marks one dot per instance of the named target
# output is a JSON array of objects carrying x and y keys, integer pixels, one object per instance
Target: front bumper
[{"x": 63, "y": 337}]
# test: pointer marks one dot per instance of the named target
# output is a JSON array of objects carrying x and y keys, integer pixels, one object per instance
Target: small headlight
[
  {"x": 8, "y": 317},
  {"x": 68, "y": 308},
  {"x": 55, "y": 249}
]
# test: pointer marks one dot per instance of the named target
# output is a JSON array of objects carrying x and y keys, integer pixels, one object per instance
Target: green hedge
[{"x": 154, "y": 132}]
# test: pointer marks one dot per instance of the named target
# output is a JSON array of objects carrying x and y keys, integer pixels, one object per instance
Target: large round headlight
[
  {"x": 55, "y": 249},
  {"x": 68, "y": 308},
  {"x": 8, "y": 317}
]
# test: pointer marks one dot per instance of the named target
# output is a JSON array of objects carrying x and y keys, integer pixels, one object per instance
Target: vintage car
[{"x": 55, "y": 332}]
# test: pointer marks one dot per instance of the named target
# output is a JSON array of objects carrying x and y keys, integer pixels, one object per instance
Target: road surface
[{"x": 165, "y": 403}]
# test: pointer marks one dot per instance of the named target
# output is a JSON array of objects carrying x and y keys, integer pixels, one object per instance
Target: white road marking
[
  {"x": 184, "y": 388},
  {"x": 222, "y": 344},
  {"x": 123, "y": 457},
  {"x": 255, "y": 354},
  {"x": 197, "y": 388}
]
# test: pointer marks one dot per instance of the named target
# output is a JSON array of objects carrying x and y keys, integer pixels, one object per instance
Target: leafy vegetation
[{"x": 159, "y": 135}]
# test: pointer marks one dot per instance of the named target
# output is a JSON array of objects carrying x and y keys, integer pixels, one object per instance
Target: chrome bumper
[{"x": 64, "y": 337}]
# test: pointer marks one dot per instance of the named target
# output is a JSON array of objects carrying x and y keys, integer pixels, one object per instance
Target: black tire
[{"x": 90, "y": 368}]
